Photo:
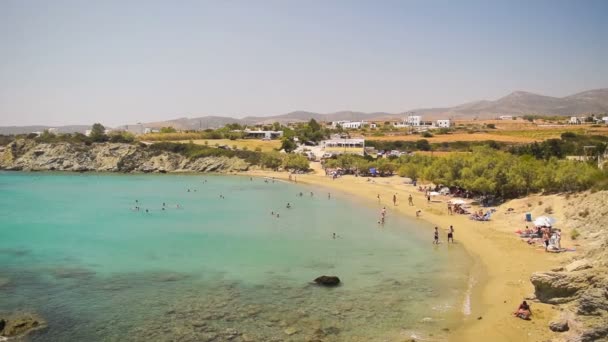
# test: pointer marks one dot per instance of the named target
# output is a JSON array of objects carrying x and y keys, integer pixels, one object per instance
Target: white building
[
  {"x": 347, "y": 124},
  {"x": 605, "y": 119},
  {"x": 148, "y": 130},
  {"x": 444, "y": 123},
  {"x": 352, "y": 125},
  {"x": 506, "y": 117},
  {"x": 344, "y": 146},
  {"x": 576, "y": 120},
  {"x": 266, "y": 135},
  {"x": 413, "y": 120}
]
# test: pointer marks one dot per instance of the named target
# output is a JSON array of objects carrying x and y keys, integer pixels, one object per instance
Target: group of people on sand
[
  {"x": 450, "y": 235},
  {"x": 550, "y": 238}
]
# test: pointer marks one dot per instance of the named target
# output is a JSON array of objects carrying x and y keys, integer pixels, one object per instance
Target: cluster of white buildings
[
  {"x": 414, "y": 121},
  {"x": 578, "y": 120}
]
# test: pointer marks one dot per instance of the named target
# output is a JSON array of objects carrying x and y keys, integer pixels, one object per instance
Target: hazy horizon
[{"x": 69, "y": 62}]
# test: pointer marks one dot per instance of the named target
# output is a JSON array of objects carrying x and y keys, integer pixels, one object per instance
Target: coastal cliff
[
  {"x": 27, "y": 155},
  {"x": 579, "y": 289}
]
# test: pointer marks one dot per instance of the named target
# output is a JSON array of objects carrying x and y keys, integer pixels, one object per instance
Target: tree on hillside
[
  {"x": 98, "y": 133},
  {"x": 314, "y": 125},
  {"x": 288, "y": 144}
]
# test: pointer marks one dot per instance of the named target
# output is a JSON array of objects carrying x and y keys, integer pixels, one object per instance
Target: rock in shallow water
[
  {"x": 20, "y": 324},
  {"x": 327, "y": 280}
]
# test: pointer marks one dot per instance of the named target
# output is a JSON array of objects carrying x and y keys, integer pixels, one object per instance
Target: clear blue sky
[{"x": 78, "y": 62}]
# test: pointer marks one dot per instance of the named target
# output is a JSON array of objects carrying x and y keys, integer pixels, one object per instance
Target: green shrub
[{"x": 574, "y": 234}]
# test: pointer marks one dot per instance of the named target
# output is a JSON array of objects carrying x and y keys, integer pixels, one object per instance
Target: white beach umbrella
[
  {"x": 544, "y": 221},
  {"x": 434, "y": 193}
]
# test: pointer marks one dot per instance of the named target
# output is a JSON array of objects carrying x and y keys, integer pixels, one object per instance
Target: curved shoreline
[{"x": 502, "y": 264}]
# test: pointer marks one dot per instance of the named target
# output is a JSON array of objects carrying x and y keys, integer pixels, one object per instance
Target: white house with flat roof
[
  {"x": 347, "y": 124},
  {"x": 574, "y": 120},
  {"x": 506, "y": 117},
  {"x": 344, "y": 146},
  {"x": 413, "y": 120},
  {"x": 445, "y": 123},
  {"x": 263, "y": 134},
  {"x": 605, "y": 119}
]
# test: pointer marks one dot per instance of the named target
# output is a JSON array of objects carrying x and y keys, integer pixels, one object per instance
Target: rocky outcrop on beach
[
  {"x": 580, "y": 288},
  {"x": 19, "y": 324},
  {"x": 27, "y": 155}
]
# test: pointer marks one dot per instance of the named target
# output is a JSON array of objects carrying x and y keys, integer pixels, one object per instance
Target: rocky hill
[
  {"x": 580, "y": 288},
  {"x": 28, "y": 155}
]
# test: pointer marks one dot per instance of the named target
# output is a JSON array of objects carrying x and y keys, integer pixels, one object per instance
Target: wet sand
[{"x": 502, "y": 262}]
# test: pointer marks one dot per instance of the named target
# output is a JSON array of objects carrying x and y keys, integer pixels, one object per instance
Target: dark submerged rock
[{"x": 329, "y": 281}]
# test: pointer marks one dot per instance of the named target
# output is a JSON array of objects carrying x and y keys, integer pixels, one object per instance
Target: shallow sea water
[{"x": 216, "y": 269}]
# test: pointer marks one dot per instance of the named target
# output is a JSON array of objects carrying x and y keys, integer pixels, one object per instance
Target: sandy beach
[{"x": 502, "y": 262}]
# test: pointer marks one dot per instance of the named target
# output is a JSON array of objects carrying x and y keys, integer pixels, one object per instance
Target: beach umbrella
[
  {"x": 458, "y": 201},
  {"x": 544, "y": 221},
  {"x": 434, "y": 193}
]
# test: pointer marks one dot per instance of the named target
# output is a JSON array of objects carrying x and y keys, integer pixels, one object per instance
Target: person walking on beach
[
  {"x": 395, "y": 199},
  {"x": 436, "y": 236},
  {"x": 410, "y": 200},
  {"x": 449, "y": 208},
  {"x": 378, "y": 198},
  {"x": 451, "y": 234},
  {"x": 428, "y": 198}
]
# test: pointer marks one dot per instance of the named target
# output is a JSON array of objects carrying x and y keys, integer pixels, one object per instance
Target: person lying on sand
[{"x": 523, "y": 311}]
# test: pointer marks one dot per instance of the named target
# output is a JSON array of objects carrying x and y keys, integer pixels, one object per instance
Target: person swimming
[
  {"x": 436, "y": 236},
  {"x": 288, "y": 205}
]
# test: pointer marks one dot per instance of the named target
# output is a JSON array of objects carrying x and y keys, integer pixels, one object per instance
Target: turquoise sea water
[{"x": 213, "y": 269}]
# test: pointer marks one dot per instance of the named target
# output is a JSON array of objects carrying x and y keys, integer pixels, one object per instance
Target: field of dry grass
[
  {"x": 250, "y": 144},
  {"x": 440, "y": 138},
  {"x": 516, "y": 132}
]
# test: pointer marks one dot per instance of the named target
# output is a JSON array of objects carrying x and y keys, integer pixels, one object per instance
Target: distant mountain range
[{"x": 516, "y": 103}]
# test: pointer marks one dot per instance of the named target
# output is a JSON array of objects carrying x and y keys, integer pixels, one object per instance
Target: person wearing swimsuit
[{"x": 451, "y": 234}]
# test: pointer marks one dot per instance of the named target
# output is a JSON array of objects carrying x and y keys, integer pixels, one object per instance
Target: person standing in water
[
  {"x": 436, "y": 237},
  {"x": 451, "y": 234},
  {"x": 395, "y": 199},
  {"x": 410, "y": 200},
  {"x": 328, "y": 195}
]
